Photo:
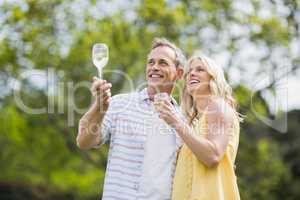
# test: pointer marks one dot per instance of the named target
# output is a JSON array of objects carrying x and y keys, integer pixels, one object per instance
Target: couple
[{"x": 193, "y": 158}]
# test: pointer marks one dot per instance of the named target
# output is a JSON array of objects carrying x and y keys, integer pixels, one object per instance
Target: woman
[{"x": 205, "y": 166}]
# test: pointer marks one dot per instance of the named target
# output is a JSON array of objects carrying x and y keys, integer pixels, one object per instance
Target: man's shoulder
[
  {"x": 121, "y": 102},
  {"x": 124, "y": 98}
]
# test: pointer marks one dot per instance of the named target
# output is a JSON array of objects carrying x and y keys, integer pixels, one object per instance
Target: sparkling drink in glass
[{"x": 100, "y": 56}]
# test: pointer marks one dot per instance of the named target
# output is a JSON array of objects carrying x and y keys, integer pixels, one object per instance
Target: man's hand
[{"x": 101, "y": 90}]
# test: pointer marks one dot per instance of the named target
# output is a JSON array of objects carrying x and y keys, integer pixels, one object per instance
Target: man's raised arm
[{"x": 89, "y": 130}]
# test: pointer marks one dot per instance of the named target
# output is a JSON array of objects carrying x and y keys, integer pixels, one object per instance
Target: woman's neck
[{"x": 202, "y": 102}]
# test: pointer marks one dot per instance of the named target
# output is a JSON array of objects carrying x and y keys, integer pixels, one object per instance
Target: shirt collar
[{"x": 143, "y": 94}]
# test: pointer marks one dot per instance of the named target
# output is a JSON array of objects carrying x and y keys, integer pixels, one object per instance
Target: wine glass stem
[{"x": 100, "y": 73}]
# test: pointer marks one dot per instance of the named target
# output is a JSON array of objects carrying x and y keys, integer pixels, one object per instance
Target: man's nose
[{"x": 155, "y": 67}]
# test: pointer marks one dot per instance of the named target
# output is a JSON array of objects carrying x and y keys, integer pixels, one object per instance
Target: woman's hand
[{"x": 167, "y": 112}]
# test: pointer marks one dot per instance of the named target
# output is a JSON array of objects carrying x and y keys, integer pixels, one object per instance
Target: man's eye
[
  {"x": 151, "y": 62},
  {"x": 163, "y": 63}
]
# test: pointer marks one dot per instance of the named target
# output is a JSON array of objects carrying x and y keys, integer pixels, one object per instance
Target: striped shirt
[{"x": 143, "y": 150}]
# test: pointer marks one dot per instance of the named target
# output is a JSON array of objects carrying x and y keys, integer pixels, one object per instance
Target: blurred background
[{"x": 46, "y": 70}]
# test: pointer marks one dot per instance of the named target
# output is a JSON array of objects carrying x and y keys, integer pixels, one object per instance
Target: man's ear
[{"x": 180, "y": 72}]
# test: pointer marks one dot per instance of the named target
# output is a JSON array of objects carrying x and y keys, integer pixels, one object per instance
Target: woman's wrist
[{"x": 179, "y": 127}]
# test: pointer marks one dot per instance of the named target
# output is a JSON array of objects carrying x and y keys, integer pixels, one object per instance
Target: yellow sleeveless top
[{"x": 194, "y": 181}]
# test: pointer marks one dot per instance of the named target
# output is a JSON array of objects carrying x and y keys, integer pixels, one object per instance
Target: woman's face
[{"x": 198, "y": 79}]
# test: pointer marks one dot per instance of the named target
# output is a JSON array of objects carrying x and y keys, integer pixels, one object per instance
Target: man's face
[{"x": 161, "y": 70}]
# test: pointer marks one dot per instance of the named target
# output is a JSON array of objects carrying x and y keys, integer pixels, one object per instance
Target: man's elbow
[{"x": 81, "y": 144}]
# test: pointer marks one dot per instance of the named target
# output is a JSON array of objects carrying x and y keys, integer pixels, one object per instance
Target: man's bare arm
[{"x": 89, "y": 130}]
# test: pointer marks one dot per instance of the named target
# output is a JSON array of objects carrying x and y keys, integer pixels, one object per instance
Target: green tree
[{"x": 38, "y": 151}]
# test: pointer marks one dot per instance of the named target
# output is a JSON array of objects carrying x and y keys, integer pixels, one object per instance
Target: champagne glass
[
  {"x": 163, "y": 127},
  {"x": 100, "y": 56},
  {"x": 161, "y": 97}
]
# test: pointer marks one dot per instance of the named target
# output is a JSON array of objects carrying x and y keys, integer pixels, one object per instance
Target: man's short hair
[{"x": 180, "y": 59}]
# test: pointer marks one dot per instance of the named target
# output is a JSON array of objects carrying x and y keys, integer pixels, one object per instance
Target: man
[{"x": 142, "y": 154}]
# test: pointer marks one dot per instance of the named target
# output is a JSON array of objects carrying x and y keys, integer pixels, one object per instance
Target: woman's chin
[
  {"x": 191, "y": 89},
  {"x": 196, "y": 91}
]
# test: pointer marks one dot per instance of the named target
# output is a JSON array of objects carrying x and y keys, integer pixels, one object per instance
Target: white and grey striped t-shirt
[{"x": 143, "y": 150}]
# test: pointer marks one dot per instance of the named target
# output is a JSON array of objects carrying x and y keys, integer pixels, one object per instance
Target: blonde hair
[{"x": 218, "y": 87}]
